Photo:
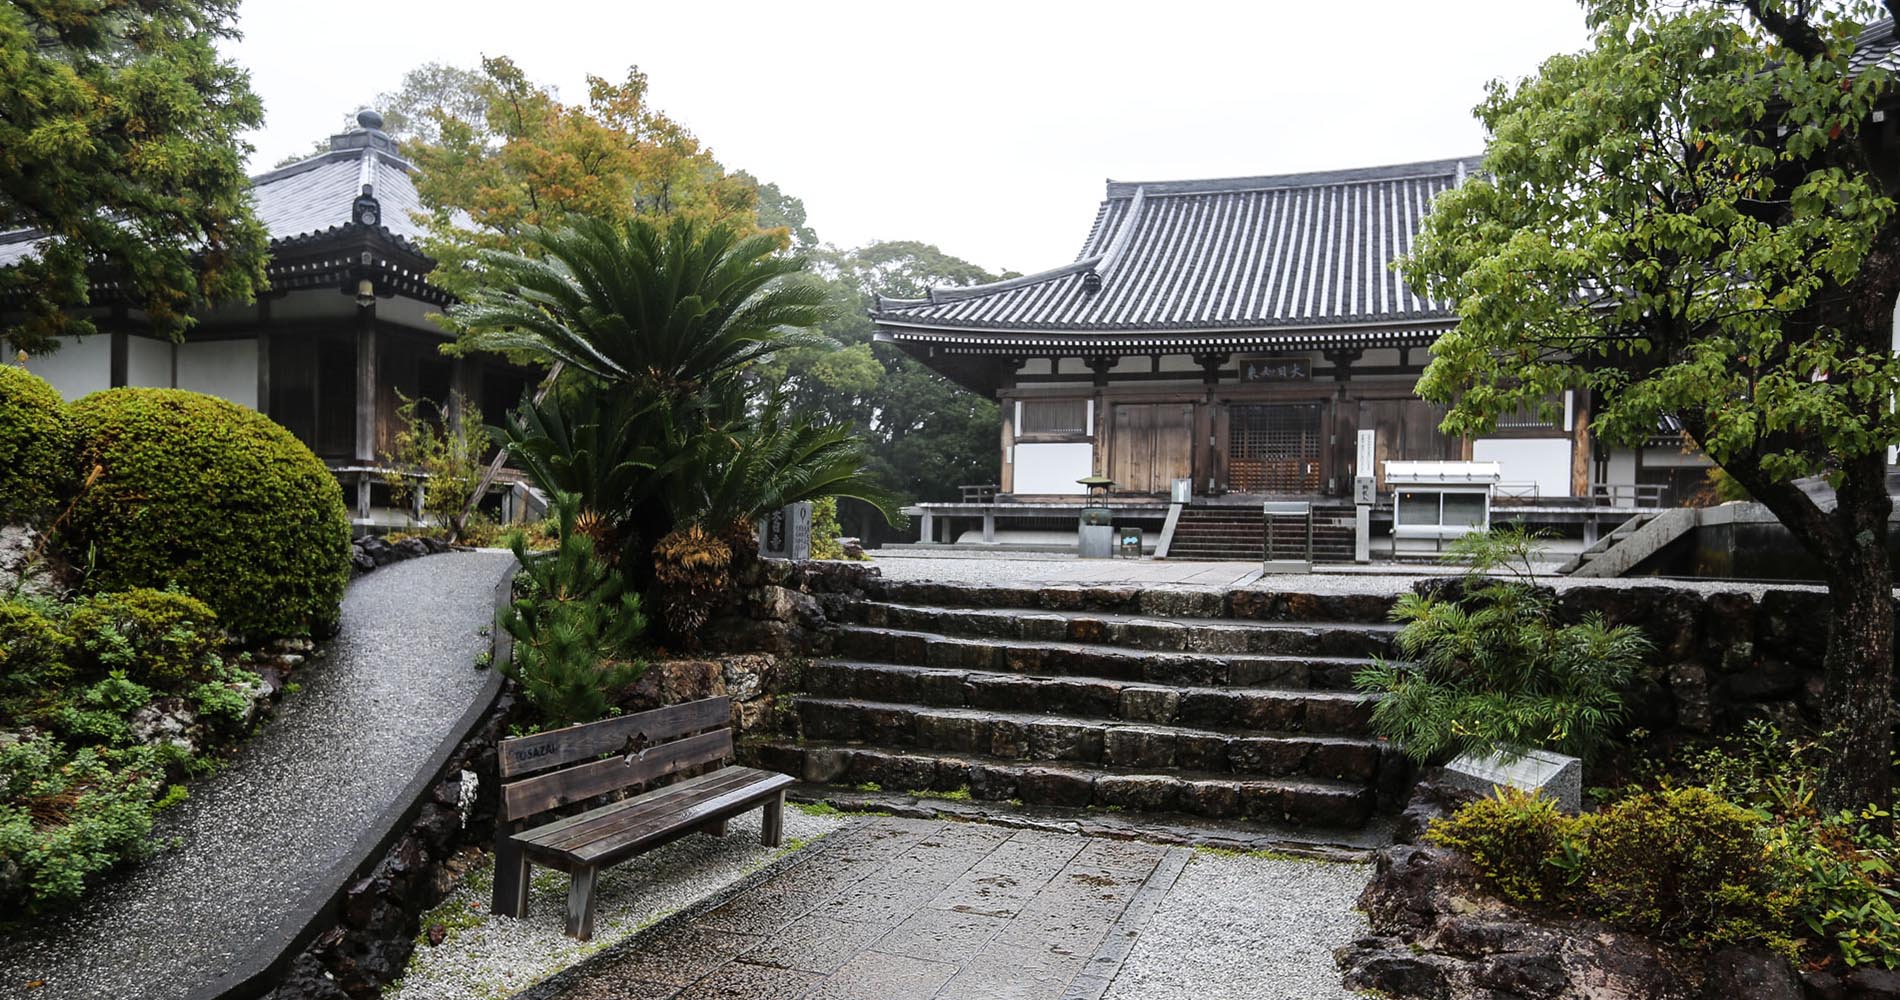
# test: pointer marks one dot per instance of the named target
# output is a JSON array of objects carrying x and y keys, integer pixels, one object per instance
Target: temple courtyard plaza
[{"x": 958, "y": 900}]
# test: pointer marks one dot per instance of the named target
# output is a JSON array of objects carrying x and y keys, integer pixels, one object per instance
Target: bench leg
[
  {"x": 772, "y": 824},
  {"x": 511, "y": 879},
  {"x": 580, "y": 905},
  {"x": 717, "y": 828}
]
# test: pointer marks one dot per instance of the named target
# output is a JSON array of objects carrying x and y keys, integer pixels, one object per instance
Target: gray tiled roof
[
  {"x": 1876, "y": 46},
  {"x": 1297, "y": 251},
  {"x": 313, "y": 197}
]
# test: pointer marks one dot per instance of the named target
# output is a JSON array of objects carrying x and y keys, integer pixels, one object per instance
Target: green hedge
[
  {"x": 36, "y": 440},
  {"x": 202, "y": 495}
]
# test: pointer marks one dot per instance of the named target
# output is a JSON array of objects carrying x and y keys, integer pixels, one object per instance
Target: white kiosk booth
[{"x": 1436, "y": 501}]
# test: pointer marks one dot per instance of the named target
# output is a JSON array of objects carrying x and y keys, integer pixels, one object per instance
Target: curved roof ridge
[
  {"x": 1318, "y": 178},
  {"x": 1118, "y": 246},
  {"x": 327, "y": 156},
  {"x": 957, "y": 293}
]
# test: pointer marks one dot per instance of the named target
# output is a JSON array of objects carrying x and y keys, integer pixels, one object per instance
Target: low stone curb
[
  {"x": 1143, "y": 827},
  {"x": 260, "y": 972}
]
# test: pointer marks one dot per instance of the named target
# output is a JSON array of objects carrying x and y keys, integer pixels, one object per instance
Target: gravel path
[
  {"x": 1241, "y": 927},
  {"x": 260, "y": 835},
  {"x": 486, "y": 956}
]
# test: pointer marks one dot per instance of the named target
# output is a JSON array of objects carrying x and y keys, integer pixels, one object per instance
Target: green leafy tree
[
  {"x": 924, "y": 434},
  {"x": 574, "y": 625},
  {"x": 1694, "y": 218},
  {"x": 502, "y": 158},
  {"x": 119, "y": 141}
]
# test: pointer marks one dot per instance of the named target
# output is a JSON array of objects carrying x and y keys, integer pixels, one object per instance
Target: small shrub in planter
[
  {"x": 201, "y": 494},
  {"x": 155, "y": 636},
  {"x": 65, "y": 818},
  {"x": 574, "y": 625},
  {"x": 33, "y": 648},
  {"x": 36, "y": 441},
  {"x": 1520, "y": 843},
  {"x": 1686, "y": 866}
]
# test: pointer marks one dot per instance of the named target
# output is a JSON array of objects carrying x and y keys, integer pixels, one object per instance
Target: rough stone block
[
  {"x": 1149, "y": 704},
  {"x": 1134, "y": 746},
  {"x": 1140, "y": 792},
  {"x": 1172, "y": 602},
  {"x": 1057, "y": 740},
  {"x": 1344, "y": 761},
  {"x": 1051, "y": 786},
  {"x": 1266, "y": 755},
  {"x": 1554, "y": 775},
  {"x": 1211, "y": 798}
]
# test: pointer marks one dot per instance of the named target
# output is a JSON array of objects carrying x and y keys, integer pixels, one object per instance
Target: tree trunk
[{"x": 1858, "y": 665}]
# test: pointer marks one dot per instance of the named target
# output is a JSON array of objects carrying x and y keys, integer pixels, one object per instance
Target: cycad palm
[{"x": 675, "y": 307}]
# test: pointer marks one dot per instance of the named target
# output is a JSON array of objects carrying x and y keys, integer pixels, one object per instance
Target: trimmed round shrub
[
  {"x": 195, "y": 493},
  {"x": 36, "y": 442}
]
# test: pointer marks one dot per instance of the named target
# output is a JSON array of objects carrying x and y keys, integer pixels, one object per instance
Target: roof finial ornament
[
  {"x": 1091, "y": 281},
  {"x": 369, "y": 120}
]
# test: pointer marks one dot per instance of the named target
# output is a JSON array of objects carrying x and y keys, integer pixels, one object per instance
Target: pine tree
[{"x": 574, "y": 623}]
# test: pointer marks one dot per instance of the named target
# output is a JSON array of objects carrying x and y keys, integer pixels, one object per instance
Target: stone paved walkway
[
  {"x": 260, "y": 835},
  {"x": 900, "y": 909}
]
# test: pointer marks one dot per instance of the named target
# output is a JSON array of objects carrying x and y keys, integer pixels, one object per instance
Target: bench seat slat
[
  {"x": 582, "y": 827},
  {"x": 636, "y": 826},
  {"x": 659, "y": 830}
]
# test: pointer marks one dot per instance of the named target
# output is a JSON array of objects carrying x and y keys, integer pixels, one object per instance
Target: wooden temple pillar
[{"x": 365, "y": 453}]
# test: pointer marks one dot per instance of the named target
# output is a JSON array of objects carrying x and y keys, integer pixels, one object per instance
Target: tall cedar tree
[
  {"x": 1694, "y": 218},
  {"x": 119, "y": 131}
]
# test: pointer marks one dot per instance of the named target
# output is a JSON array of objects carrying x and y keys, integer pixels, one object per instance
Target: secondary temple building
[
  {"x": 1237, "y": 334},
  {"x": 342, "y": 331}
]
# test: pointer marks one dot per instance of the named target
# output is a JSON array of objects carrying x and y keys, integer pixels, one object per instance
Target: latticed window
[{"x": 1054, "y": 416}]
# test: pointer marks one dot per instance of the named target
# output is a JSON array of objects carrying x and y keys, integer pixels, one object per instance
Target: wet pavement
[
  {"x": 906, "y": 909},
  {"x": 265, "y": 832}
]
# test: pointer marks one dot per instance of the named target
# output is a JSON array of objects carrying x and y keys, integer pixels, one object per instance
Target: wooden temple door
[
  {"x": 1274, "y": 448},
  {"x": 1407, "y": 430},
  {"x": 1150, "y": 446}
]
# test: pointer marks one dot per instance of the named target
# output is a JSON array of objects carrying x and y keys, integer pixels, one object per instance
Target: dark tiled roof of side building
[
  {"x": 314, "y": 198},
  {"x": 1246, "y": 253}
]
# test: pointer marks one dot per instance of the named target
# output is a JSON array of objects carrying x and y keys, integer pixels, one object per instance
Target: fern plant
[
  {"x": 574, "y": 624},
  {"x": 1494, "y": 672}
]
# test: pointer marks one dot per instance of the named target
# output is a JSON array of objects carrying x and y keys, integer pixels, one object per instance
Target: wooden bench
[{"x": 606, "y": 757}]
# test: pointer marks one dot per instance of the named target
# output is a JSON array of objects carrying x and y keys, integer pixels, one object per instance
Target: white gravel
[
  {"x": 1244, "y": 927},
  {"x": 486, "y": 956}
]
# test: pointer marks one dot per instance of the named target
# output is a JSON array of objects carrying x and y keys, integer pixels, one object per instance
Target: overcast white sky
[{"x": 985, "y": 128}]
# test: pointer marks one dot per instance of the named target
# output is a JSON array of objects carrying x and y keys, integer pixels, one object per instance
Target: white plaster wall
[
  {"x": 82, "y": 365},
  {"x": 1622, "y": 467},
  {"x": 1544, "y": 461},
  {"x": 1053, "y": 468},
  {"x": 148, "y": 362},
  {"x": 223, "y": 368}
]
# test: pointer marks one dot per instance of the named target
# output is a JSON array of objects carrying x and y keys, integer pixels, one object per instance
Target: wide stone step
[
  {"x": 1132, "y": 631},
  {"x": 1072, "y": 659},
  {"x": 1303, "y": 801},
  {"x": 1033, "y": 737},
  {"x": 1178, "y": 602},
  {"x": 1346, "y": 713}
]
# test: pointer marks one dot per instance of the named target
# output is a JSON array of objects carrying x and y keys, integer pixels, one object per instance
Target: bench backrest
[{"x": 645, "y": 746}]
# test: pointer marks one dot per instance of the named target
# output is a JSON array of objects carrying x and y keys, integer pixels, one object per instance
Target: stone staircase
[
  {"x": 1216, "y": 532},
  {"x": 1224, "y": 706}
]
